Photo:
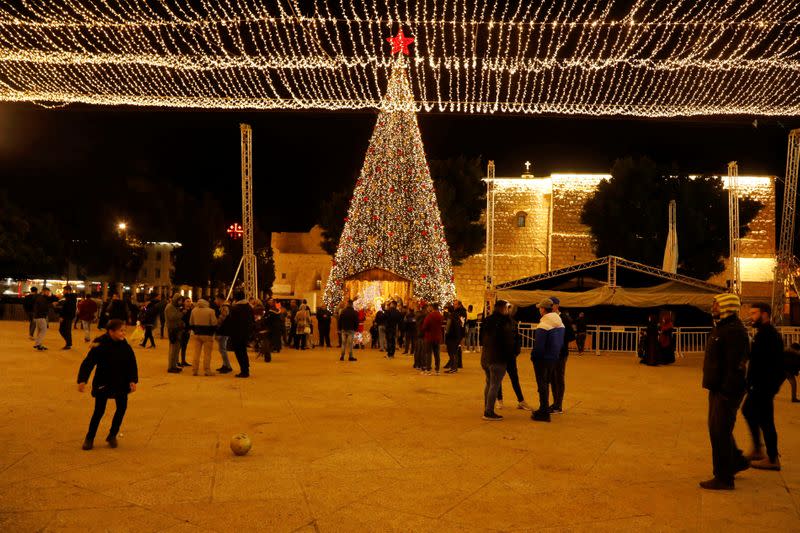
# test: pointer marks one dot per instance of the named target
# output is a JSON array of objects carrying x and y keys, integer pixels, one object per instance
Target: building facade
[{"x": 302, "y": 267}]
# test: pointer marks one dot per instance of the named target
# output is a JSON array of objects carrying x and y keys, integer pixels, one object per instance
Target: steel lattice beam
[
  {"x": 613, "y": 263},
  {"x": 248, "y": 254},
  {"x": 489, "y": 268},
  {"x": 785, "y": 264},
  {"x": 733, "y": 228}
]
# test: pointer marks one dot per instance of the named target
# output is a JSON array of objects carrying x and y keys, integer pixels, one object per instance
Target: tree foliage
[
  {"x": 628, "y": 217},
  {"x": 461, "y": 196},
  {"x": 30, "y": 242}
]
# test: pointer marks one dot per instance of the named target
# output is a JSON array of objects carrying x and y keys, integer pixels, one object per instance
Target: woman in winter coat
[
  {"x": 302, "y": 322},
  {"x": 116, "y": 376}
]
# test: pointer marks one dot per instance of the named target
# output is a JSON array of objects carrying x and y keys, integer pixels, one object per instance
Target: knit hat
[
  {"x": 555, "y": 300},
  {"x": 729, "y": 304},
  {"x": 547, "y": 304}
]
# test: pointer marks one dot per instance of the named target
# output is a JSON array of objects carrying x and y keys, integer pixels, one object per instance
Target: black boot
[{"x": 88, "y": 444}]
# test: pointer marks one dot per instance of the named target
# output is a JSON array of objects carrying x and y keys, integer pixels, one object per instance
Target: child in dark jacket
[{"x": 115, "y": 377}]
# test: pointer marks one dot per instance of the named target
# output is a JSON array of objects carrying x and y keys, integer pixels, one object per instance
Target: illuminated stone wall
[{"x": 571, "y": 242}]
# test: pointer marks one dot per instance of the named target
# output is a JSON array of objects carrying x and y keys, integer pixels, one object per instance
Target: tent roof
[
  {"x": 610, "y": 281},
  {"x": 611, "y": 271}
]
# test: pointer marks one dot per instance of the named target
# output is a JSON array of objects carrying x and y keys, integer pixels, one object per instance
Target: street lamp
[{"x": 122, "y": 226}]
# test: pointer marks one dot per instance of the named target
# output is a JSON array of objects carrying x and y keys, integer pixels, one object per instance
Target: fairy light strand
[{"x": 654, "y": 58}]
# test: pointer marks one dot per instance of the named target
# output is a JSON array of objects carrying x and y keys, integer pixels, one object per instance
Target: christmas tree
[{"x": 393, "y": 223}]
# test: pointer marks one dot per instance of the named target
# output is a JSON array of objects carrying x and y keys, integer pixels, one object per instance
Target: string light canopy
[{"x": 649, "y": 58}]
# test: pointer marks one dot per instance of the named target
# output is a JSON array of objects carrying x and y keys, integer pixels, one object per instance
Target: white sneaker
[
  {"x": 524, "y": 406},
  {"x": 498, "y": 404}
]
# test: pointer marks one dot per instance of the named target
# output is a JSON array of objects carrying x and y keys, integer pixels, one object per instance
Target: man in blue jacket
[{"x": 549, "y": 341}]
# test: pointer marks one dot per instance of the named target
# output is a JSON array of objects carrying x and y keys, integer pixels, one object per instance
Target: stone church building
[{"x": 537, "y": 228}]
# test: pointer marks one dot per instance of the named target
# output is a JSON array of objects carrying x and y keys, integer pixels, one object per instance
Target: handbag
[{"x": 307, "y": 330}]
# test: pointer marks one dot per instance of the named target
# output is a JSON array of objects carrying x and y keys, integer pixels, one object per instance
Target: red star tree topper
[
  {"x": 400, "y": 42},
  {"x": 402, "y": 231}
]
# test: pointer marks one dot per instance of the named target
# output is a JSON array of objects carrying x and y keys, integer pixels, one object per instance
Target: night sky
[{"x": 81, "y": 153}]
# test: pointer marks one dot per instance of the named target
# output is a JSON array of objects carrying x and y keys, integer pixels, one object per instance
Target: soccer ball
[{"x": 240, "y": 444}]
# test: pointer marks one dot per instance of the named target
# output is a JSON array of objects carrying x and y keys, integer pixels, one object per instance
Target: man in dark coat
[
  {"x": 559, "y": 379},
  {"x": 726, "y": 356},
  {"x": 68, "y": 308},
  {"x": 116, "y": 376},
  {"x": 27, "y": 306},
  {"x": 238, "y": 327},
  {"x": 348, "y": 324},
  {"x": 499, "y": 343},
  {"x": 324, "y": 326},
  {"x": 41, "y": 310},
  {"x": 391, "y": 321},
  {"x": 765, "y": 374}
]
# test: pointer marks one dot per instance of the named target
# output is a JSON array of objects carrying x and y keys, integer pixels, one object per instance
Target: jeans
[
  {"x": 65, "y": 330},
  {"x": 174, "y": 348},
  {"x": 759, "y": 411},
  {"x": 724, "y": 452},
  {"x": 391, "y": 342},
  {"x": 419, "y": 353},
  {"x": 41, "y": 329},
  {"x": 148, "y": 334},
  {"x": 382, "y": 338},
  {"x": 222, "y": 344},
  {"x": 347, "y": 342},
  {"x": 184, "y": 336},
  {"x": 300, "y": 341},
  {"x": 203, "y": 344},
  {"x": 325, "y": 336},
  {"x": 86, "y": 325},
  {"x": 472, "y": 338},
  {"x": 494, "y": 376},
  {"x": 454, "y": 354},
  {"x": 513, "y": 376},
  {"x": 559, "y": 383},
  {"x": 544, "y": 370},
  {"x": 580, "y": 340},
  {"x": 100, "y": 402},
  {"x": 240, "y": 350},
  {"x": 432, "y": 351}
]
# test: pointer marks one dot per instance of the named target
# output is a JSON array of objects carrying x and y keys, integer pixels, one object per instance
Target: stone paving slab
[{"x": 373, "y": 446}]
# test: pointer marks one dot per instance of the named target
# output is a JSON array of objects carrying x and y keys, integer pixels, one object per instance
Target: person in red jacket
[{"x": 432, "y": 330}]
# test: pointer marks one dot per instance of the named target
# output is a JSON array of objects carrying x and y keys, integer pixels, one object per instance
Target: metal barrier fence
[{"x": 626, "y": 339}]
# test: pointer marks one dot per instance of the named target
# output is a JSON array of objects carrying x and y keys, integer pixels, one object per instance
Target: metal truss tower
[
  {"x": 734, "y": 242},
  {"x": 489, "y": 271},
  {"x": 248, "y": 253},
  {"x": 786, "y": 264}
]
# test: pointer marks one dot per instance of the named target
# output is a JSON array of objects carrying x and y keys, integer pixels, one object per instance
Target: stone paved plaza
[{"x": 373, "y": 446}]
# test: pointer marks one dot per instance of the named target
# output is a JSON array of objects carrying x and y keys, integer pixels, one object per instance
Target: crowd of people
[{"x": 739, "y": 370}]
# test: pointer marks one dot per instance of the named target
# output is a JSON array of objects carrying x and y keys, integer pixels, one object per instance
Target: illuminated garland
[
  {"x": 655, "y": 58},
  {"x": 393, "y": 222}
]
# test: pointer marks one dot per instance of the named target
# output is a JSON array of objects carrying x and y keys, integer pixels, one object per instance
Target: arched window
[{"x": 522, "y": 218}]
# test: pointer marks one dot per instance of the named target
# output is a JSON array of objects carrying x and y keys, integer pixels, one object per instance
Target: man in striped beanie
[{"x": 724, "y": 366}]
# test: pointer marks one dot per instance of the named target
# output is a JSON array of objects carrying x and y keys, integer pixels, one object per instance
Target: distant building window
[
  {"x": 283, "y": 275},
  {"x": 158, "y": 273},
  {"x": 158, "y": 256},
  {"x": 522, "y": 218}
]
